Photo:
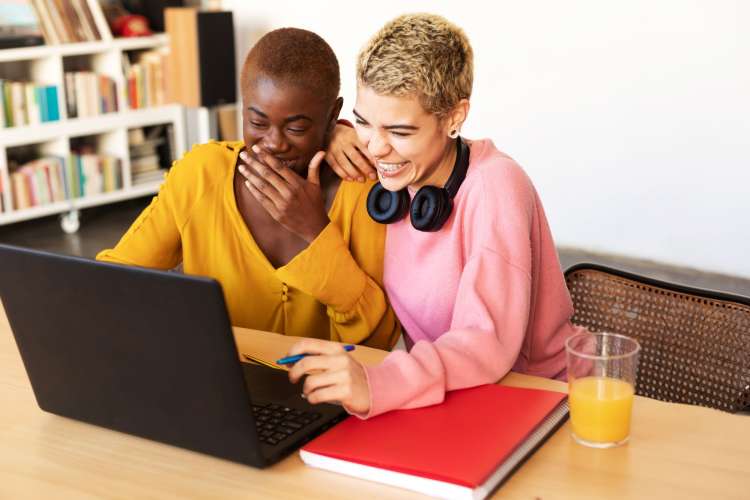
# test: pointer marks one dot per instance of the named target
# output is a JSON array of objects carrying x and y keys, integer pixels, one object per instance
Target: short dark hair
[{"x": 294, "y": 56}]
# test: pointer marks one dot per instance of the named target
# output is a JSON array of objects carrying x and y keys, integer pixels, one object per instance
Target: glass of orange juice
[{"x": 601, "y": 384}]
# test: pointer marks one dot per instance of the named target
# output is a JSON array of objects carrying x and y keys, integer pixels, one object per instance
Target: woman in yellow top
[{"x": 295, "y": 251}]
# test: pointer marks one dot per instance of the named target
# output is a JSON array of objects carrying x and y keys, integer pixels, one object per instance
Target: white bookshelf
[
  {"x": 45, "y": 65},
  {"x": 83, "y": 48}
]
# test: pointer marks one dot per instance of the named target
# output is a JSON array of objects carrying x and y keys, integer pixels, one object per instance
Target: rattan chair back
[{"x": 695, "y": 343}]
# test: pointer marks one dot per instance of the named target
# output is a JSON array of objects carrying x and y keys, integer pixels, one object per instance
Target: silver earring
[{"x": 453, "y": 134}]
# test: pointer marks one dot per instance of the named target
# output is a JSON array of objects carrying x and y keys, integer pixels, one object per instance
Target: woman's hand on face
[
  {"x": 348, "y": 157},
  {"x": 294, "y": 202},
  {"x": 333, "y": 376}
]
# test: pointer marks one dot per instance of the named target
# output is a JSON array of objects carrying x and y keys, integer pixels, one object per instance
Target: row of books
[
  {"x": 66, "y": 21},
  {"x": 26, "y": 103},
  {"x": 146, "y": 82},
  {"x": 86, "y": 94},
  {"x": 54, "y": 178},
  {"x": 89, "y": 94}
]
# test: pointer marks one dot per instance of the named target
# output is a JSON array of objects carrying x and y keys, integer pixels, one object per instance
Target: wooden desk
[{"x": 676, "y": 451}]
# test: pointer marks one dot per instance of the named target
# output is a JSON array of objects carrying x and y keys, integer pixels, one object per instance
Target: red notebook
[{"x": 462, "y": 448}]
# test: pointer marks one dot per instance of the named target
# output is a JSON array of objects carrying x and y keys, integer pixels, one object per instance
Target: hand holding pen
[
  {"x": 331, "y": 374},
  {"x": 288, "y": 360}
]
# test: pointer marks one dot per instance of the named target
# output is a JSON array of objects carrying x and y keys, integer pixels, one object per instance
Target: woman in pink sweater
[{"x": 476, "y": 284}]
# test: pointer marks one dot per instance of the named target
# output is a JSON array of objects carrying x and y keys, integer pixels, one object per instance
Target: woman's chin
[
  {"x": 393, "y": 183},
  {"x": 396, "y": 181}
]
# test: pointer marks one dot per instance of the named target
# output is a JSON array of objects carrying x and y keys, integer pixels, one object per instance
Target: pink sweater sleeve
[{"x": 486, "y": 335}]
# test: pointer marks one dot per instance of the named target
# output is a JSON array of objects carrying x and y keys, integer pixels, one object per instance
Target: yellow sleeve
[
  {"x": 153, "y": 240},
  {"x": 355, "y": 301}
]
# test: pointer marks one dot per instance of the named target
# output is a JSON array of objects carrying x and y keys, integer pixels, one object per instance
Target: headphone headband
[{"x": 460, "y": 166}]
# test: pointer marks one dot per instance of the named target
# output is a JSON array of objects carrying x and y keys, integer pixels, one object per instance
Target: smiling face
[
  {"x": 289, "y": 121},
  {"x": 411, "y": 145}
]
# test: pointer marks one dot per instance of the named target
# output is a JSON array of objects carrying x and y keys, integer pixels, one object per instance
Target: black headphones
[{"x": 431, "y": 206}]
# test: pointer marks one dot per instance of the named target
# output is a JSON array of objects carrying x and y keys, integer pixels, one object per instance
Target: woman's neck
[{"x": 441, "y": 173}]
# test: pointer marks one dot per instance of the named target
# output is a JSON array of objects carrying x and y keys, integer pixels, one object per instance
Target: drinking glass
[{"x": 601, "y": 384}]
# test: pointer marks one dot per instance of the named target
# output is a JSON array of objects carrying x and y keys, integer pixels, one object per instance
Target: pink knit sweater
[{"x": 482, "y": 296}]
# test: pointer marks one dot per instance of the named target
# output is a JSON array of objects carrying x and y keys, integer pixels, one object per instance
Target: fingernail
[
  {"x": 242, "y": 169},
  {"x": 360, "y": 179},
  {"x": 255, "y": 148},
  {"x": 373, "y": 176}
]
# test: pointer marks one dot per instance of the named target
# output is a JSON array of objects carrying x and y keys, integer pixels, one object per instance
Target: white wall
[{"x": 632, "y": 118}]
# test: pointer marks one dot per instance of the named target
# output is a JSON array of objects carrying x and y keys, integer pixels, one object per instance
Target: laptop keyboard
[{"x": 276, "y": 422}]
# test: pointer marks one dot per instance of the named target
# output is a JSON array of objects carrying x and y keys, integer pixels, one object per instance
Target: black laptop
[{"x": 149, "y": 353}]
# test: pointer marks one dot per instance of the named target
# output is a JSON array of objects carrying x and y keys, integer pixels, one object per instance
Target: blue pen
[{"x": 293, "y": 359}]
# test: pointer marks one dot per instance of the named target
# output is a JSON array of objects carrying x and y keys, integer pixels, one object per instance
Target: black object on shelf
[
  {"x": 14, "y": 41},
  {"x": 218, "y": 80}
]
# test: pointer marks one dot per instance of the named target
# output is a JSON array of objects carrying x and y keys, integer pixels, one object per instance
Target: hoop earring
[{"x": 453, "y": 134}]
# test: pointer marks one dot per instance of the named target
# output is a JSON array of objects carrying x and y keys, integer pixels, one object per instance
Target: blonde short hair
[{"x": 419, "y": 54}]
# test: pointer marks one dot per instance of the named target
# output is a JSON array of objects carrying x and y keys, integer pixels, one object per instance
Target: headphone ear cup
[
  {"x": 431, "y": 208},
  {"x": 386, "y": 206}
]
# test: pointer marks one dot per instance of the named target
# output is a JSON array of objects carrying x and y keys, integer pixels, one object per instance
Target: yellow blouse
[{"x": 333, "y": 289}]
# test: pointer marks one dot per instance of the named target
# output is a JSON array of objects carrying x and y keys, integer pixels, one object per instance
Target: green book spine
[{"x": 41, "y": 96}]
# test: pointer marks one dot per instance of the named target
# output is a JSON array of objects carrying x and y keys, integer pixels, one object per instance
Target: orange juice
[{"x": 600, "y": 409}]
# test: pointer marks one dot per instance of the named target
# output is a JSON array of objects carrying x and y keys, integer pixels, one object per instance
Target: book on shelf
[
  {"x": 26, "y": 103},
  {"x": 19, "y": 25},
  {"x": 33, "y": 106},
  {"x": 51, "y": 109},
  {"x": 461, "y": 448},
  {"x": 67, "y": 21},
  {"x": 46, "y": 23},
  {"x": 86, "y": 18}
]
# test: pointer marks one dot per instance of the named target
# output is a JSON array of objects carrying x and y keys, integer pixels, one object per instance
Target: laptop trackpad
[{"x": 267, "y": 384}]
